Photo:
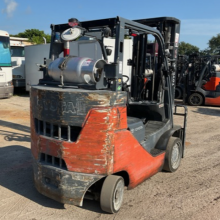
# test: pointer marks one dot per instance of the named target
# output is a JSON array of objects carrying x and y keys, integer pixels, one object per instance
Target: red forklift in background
[
  {"x": 96, "y": 128},
  {"x": 202, "y": 82}
]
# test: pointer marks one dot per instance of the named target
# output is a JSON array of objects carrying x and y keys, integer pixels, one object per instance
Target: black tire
[
  {"x": 173, "y": 155},
  {"x": 111, "y": 197},
  {"x": 178, "y": 93},
  {"x": 195, "y": 99}
]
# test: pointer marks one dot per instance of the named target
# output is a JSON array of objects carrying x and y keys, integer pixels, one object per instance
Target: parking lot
[{"x": 193, "y": 192}]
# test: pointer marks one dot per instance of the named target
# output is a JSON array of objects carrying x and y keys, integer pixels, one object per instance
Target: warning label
[{"x": 86, "y": 62}]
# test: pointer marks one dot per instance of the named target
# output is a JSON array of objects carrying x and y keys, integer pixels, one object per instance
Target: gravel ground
[{"x": 193, "y": 192}]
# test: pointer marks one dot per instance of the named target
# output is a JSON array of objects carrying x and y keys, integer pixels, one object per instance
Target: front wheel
[
  {"x": 195, "y": 99},
  {"x": 112, "y": 194},
  {"x": 173, "y": 154}
]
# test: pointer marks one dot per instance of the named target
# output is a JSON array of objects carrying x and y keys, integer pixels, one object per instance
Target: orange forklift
[
  {"x": 102, "y": 122},
  {"x": 202, "y": 82}
]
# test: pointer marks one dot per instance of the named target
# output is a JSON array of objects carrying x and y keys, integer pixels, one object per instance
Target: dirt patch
[{"x": 14, "y": 115}]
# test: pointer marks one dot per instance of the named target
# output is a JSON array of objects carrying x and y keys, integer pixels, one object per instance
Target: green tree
[
  {"x": 34, "y": 35},
  {"x": 187, "y": 49},
  {"x": 214, "y": 43}
]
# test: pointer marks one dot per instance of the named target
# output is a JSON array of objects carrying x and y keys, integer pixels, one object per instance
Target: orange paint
[
  {"x": 93, "y": 152},
  {"x": 212, "y": 101},
  {"x": 104, "y": 146},
  {"x": 212, "y": 84},
  {"x": 130, "y": 156}
]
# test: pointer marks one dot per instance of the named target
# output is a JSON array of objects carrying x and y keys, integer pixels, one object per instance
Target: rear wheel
[
  {"x": 195, "y": 99},
  {"x": 173, "y": 154},
  {"x": 178, "y": 93},
  {"x": 112, "y": 194}
]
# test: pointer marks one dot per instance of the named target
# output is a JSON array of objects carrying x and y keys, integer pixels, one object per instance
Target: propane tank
[{"x": 77, "y": 70}]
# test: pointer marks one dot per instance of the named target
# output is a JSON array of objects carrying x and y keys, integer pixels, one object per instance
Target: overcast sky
[{"x": 200, "y": 20}]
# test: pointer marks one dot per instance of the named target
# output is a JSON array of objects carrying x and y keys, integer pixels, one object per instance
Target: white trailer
[
  {"x": 18, "y": 60},
  {"x": 6, "y": 86}
]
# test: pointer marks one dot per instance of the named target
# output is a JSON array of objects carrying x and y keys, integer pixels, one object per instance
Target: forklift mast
[
  {"x": 182, "y": 67},
  {"x": 182, "y": 70},
  {"x": 169, "y": 27}
]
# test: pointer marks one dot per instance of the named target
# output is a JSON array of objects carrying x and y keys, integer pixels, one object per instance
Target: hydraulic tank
[{"x": 79, "y": 70}]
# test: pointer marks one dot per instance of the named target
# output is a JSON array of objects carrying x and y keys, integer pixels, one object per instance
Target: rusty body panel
[
  {"x": 61, "y": 185},
  {"x": 92, "y": 152},
  {"x": 70, "y": 107},
  {"x": 104, "y": 145}
]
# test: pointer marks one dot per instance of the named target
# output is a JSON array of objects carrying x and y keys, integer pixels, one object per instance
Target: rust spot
[
  {"x": 187, "y": 143},
  {"x": 103, "y": 100},
  {"x": 96, "y": 96}
]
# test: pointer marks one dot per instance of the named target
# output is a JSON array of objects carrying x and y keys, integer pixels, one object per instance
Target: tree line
[
  {"x": 213, "y": 47},
  {"x": 35, "y": 36}
]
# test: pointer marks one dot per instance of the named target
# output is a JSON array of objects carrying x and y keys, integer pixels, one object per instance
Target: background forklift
[
  {"x": 202, "y": 83},
  {"x": 96, "y": 128}
]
